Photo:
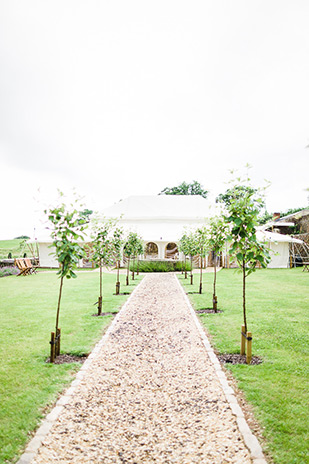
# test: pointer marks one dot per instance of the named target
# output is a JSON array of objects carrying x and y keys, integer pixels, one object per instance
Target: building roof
[
  {"x": 295, "y": 216},
  {"x": 265, "y": 235},
  {"x": 188, "y": 207},
  {"x": 161, "y": 217}
]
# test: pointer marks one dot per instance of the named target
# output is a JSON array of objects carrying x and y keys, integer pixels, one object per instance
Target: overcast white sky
[{"x": 120, "y": 98}]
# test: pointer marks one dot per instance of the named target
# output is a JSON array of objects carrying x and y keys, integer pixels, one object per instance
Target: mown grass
[
  {"x": 28, "y": 385},
  {"x": 278, "y": 305}
]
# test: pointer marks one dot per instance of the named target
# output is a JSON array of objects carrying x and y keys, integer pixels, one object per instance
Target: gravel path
[{"x": 150, "y": 395}]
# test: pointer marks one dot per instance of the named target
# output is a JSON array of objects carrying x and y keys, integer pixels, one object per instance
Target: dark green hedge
[{"x": 159, "y": 266}]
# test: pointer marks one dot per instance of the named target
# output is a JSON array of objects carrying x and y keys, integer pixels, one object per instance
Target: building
[{"x": 161, "y": 220}]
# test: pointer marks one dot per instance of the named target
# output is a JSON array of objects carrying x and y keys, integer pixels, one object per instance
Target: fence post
[
  {"x": 52, "y": 347},
  {"x": 242, "y": 341},
  {"x": 249, "y": 347}
]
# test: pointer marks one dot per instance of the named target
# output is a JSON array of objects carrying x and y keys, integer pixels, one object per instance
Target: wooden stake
[
  {"x": 242, "y": 341},
  {"x": 100, "y": 306},
  {"x": 249, "y": 347},
  {"x": 57, "y": 346},
  {"x": 52, "y": 347},
  {"x": 215, "y": 303},
  {"x": 117, "y": 288}
]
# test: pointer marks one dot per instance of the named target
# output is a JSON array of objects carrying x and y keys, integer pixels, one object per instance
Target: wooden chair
[
  {"x": 23, "y": 268},
  {"x": 30, "y": 265},
  {"x": 306, "y": 267}
]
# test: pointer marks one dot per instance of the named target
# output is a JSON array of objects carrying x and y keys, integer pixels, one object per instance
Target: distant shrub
[
  {"x": 7, "y": 271},
  {"x": 159, "y": 266},
  {"x": 22, "y": 237}
]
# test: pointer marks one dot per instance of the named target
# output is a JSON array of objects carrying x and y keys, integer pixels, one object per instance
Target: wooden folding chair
[
  {"x": 23, "y": 268},
  {"x": 29, "y": 264}
]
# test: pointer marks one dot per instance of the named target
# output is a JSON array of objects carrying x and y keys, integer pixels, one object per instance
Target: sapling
[
  {"x": 129, "y": 250},
  {"x": 136, "y": 245},
  {"x": 117, "y": 241},
  {"x": 188, "y": 246},
  {"x": 192, "y": 251},
  {"x": 182, "y": 247},
  {"x": 102, "y": 250},
  {"x": 242, "y": 216},
  {"x": 217, "y": 235},
  {"x": 202, "y": 246},
  {"x": 141, "y": 250},
  {"x": 67, "y": 234}
]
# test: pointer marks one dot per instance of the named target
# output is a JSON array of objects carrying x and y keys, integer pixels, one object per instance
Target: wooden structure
[
  {"x": 25, "y": 266},
  {"x": 299, "y": 252}
]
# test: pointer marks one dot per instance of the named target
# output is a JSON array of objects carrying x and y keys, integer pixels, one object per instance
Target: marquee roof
[
  {"x": 141, "y": 207},
  {"x": 264, "y": 235}
]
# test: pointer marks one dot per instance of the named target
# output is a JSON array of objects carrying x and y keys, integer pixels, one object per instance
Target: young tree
[
  {"x": 218, "y": 232},
  {"x": 242, "y": 216},
  {"x": 67, "y": 235},
  {"x": 130, "y": 250},
  {"x": 182, "y": 247},
  {"x": 138, "y": 251},
  {"x": 102, "y": 250},
  {"x": 188, "y": 246},
  {"x": 202, "y": 246},
  {"x": 117, "y": 241}
]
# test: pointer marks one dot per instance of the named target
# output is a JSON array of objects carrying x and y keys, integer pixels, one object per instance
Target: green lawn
[
  {"x": 28, "y": 385},
  {"x": 278, "y": 306}
]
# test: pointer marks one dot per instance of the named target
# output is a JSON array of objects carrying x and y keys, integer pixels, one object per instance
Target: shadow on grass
[
  {"x": 236, "y": 358},
  {"x": 123, "y": 293},
  {"x": 208, "y": 311},
  {"x": 66, "y": 358},
  {"x": 104, "y": 314}
]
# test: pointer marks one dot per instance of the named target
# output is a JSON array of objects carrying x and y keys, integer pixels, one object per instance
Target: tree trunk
[
  {"x": 101, "y": 290},
  {"x": 59, "y": 299},
  {"x": 57, "y": 331},
  {"x": 244, "y": 293},
  {"x": 133, "y": 268},
  {"x": 128, "y": 270},
  {"x": 118, "y": 282},
  {"x": 214, "y": 295},
  {"x": 191, "y": 270},
  {"x": 186, "y": 274},
  {"x": 201, "y": 275}
]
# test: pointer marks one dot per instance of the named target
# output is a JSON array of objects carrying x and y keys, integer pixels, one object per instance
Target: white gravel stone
[{"x": 151, "y": 393}]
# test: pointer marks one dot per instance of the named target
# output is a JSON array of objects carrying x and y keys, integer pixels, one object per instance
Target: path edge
[
  {"x": 249, "y": 438},
  {"x": 48, "y": 421}
]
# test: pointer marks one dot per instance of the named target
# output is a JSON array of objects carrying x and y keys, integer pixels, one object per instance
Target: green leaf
[{"x": 237, "y": 221}]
